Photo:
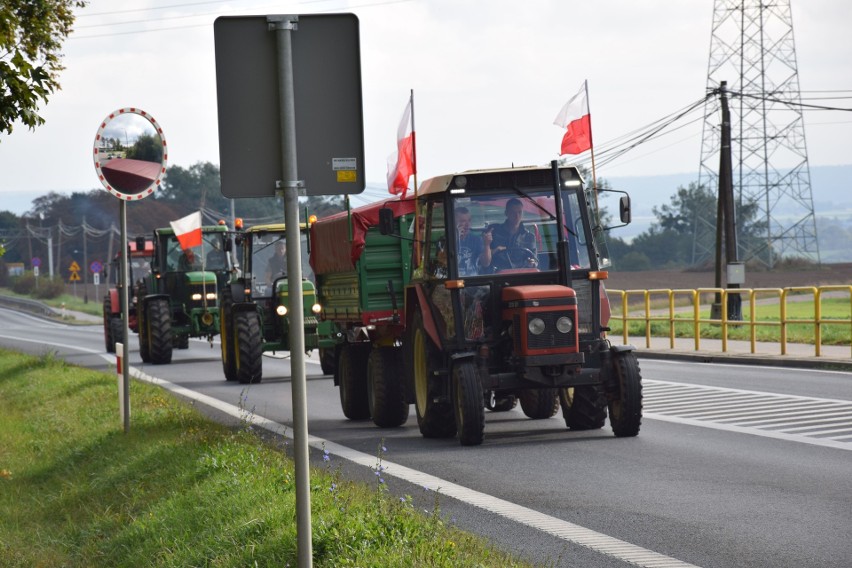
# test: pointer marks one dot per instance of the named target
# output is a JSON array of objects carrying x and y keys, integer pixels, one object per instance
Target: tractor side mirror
[
  {"x": 624, "y": 209},
  {"x": 386, "y": 221},
  {"x": 228, "y": 245}
]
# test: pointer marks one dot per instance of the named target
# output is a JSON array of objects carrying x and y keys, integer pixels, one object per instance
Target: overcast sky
[{"x": 489, "y": 77}]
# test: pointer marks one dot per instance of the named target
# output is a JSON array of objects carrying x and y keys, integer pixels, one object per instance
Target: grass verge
[{"x": 180, "y": 490}]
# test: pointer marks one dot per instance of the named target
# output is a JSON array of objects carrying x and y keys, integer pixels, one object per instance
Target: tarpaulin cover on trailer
[{"x": 331, "y": 250}]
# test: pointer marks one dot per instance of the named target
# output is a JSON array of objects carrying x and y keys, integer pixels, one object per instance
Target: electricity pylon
[{"x": 752, "y": 48}]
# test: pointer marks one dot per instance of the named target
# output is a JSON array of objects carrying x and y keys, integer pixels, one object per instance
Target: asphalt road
[{"x": 735, "y": 465}]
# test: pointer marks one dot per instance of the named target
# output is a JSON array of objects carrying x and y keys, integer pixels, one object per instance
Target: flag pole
[
  {"x": 591, "y": 144},
  {"x": 414, "y": 164}
]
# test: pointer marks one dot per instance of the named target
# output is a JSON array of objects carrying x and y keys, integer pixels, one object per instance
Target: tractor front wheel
[
  {"x": 249, "y": 348},
  {"x": 159, "y": 331}
]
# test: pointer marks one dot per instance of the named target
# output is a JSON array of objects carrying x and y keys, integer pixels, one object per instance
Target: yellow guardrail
[{"x": 698, "y": 297}]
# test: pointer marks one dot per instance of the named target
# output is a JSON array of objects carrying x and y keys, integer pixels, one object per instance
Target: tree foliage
[
  {"x": 669, "y": 241},
  {"x": 31, "y": 35}
]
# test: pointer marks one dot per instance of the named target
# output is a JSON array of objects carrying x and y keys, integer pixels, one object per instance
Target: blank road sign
[{"x": 328, "y": 105}]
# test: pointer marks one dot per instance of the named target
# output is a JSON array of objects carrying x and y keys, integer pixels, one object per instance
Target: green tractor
[
  {"x": 178, "y": 300},
  {"x": 253, "y": 309}
]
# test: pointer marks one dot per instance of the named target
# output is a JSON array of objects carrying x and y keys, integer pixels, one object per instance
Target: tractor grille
[{"x": 551, "y": 337}]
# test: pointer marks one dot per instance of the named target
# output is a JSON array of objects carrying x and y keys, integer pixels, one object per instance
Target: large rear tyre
[
  {"x": 352, "y": 381},
  {"x": 583, "y": 407},
  {"x": 248, "y": 350},
  {"x": 539, "y": 404},
  {"x": 436, "y": 419},
  {"x": 159, "y": 328},
  {"x": 625, "y": 410},
  {"x": 116, "y": 326},
  {"x": 468, "y": 404},
  {"x": 385, "y": 392},
  {"x": 109, "y": 340},
  {"x": 226, "y": 335}
]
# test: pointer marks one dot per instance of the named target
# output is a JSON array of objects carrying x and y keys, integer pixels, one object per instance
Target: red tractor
[{"x": 140, "y": 252}]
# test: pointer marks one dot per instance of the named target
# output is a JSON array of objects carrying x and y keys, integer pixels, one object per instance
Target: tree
[{"x": 31, "y": 35}]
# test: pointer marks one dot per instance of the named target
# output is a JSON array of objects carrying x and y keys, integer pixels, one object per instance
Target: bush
[
  {"x": 48, "y": 288},
  {"x": 23, "y": 284}
]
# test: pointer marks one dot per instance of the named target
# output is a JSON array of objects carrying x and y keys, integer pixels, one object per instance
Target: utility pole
[{"x": 85, "y": 266}]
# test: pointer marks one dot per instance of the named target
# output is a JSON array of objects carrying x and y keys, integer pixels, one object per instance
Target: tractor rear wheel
[
  {"x": 468, "y": 404},
  {"x": 539, "y": 404},
  {"x": 385, "y": 392},
  {"x": 248, "y": 350},
  {"x": 159, "y": 328},
  {"x": 435, "y": 418},
  {"x": 625, "y": 411},
  {"x": 583, "y": 407}
]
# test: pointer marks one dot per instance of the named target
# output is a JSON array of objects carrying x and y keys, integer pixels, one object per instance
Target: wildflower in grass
[
  {"x": 325, "y": 456},
  {"x": 333, "y": 487}
]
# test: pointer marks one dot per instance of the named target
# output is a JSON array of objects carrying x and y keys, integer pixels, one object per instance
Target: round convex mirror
[{"x": 130, "y": 154}]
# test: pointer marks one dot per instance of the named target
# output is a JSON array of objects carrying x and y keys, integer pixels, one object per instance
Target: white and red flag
[
  {"x": 577, "y": 121},
  {"x": 188, "y": 230},
  {"x": 402, "y": 164}
]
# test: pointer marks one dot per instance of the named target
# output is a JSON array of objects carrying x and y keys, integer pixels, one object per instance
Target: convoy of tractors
[{"x": 483, "y": 292}]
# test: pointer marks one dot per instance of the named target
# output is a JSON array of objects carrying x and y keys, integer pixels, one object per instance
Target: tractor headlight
[
  {"x": 196, "y": 297},
  {"x": 536, "y": 326},
  {"x": 564, "y": 324},
  {"x": 316, "y": 308},
  {"x": 281, "y": 310},
  {"x": 211, "y": 295}
]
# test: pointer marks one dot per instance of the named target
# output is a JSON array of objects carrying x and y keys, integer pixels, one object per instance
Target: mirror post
[
  {"x": 284, "y": 26},
  {"x": 125, "y": 316}
]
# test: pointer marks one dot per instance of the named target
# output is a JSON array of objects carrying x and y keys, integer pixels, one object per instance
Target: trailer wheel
[
  {"x": 226, "y": 335},
  {"x": 468, "y": 404},
  {"x": 352, "y": 381},
  {"x": 159, "y": 322},
  {"x": 385, "y": 393},
  {"x": 582, "y": 407},
  {"x": 142, "y": 326},
  {"x": 435, "y": 419},
  {"x": 539, "y": 404},
  {"x": 501, "y": 403},
  {"x": 328, "y": 361},
  {"x": 248, "y": 350},
  {"x": 625, "y": 411},
  {"x": 109, "y": 340}
]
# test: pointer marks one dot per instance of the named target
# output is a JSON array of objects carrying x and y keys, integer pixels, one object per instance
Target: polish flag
[
  {"x": 402, "y": 164},
  {"x": 188, "y": 230},
  {"x": 575, "y": 117}
]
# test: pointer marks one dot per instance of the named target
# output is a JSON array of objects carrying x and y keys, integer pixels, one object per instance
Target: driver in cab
[{"x": 508, "y": 244}]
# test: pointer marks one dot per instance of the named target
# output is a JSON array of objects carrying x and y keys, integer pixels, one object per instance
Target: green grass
[
  {"x": 179, "y": 490},
  {"x": 769, "y": 314}
]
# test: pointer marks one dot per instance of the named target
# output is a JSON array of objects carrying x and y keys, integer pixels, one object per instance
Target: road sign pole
[
  {"x": 283, "y": 27},
  {"x": 125, "y": 315}
]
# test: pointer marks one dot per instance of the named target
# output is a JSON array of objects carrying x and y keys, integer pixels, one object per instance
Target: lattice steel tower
[{"x": 752, "y": 48}]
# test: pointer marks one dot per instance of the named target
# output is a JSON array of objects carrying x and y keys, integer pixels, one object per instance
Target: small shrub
[
  {"x": 23, "y": 284},
  {"x": 49, "y": 288}
]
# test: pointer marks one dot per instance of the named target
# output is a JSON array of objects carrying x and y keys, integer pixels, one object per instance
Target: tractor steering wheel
[{"x": 514, "y": 257}]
